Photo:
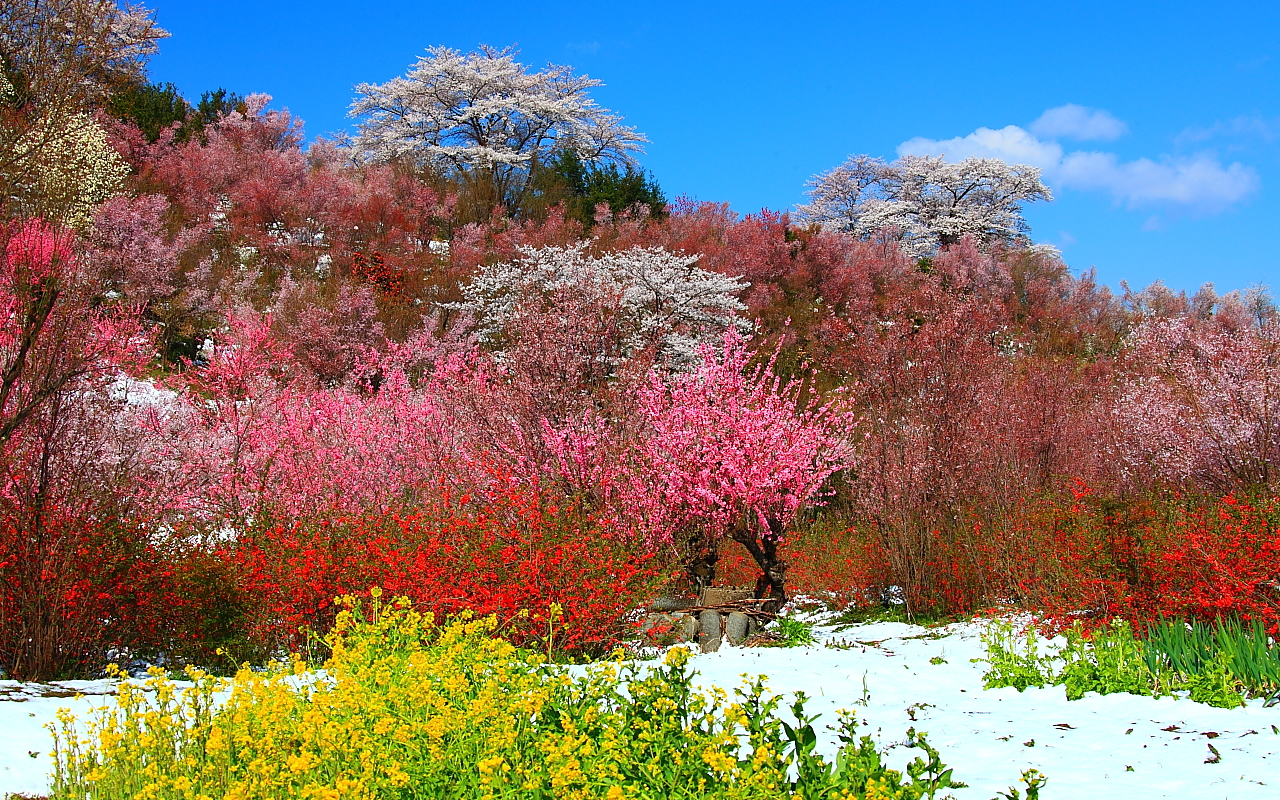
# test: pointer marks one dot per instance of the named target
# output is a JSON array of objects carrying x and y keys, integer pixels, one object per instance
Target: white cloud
[
  {"x": 1010, "y": 143},
  {"x": 1198, "y": 184},
  {"x": 1077, "y": 122},
  {"x": 1254, "y": 128}
]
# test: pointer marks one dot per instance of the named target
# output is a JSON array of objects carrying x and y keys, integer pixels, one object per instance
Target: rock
[
  {"x": 709, "y": 631},
  {"x": 689, "y": 627},
  {"x": 736, "y": 630},
  {"x": 658, "y": 628},
  {"x": 718, "y": 595},
  {"x": 670, "y": 603}
]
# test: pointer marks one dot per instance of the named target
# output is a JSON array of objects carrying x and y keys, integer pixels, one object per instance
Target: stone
[
  {"x": 709, "y": 631},
  {"x": 689, "y": 627},
  {"x": 737, "y": 628},
  {"x": 670, "y": 602},
  {"x": 718, "y": 595},
  {"x": 659, "y": 628}
]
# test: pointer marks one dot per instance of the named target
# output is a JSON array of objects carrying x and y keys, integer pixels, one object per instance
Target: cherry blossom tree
[
  {"x": 65, "y": 461},
  {"x": 54, "y": 332},
  {"x": 69, "y": 53},
  {"x": 484, "y": 117},
  {"x": 925, "y": 202},
  {"x": 60, "y": 58},
  {"x": 130, "y": 249}
]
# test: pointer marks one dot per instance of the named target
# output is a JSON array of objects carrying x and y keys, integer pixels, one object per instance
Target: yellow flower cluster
[{"x": 405, "y": 708}]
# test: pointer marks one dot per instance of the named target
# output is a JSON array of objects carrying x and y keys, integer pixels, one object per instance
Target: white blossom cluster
[
  {"x": 486, "y": 111},
  {"x": 666, "y": 299},
  {"x": 925, "y": 202},
  {"x": 70, "y": 167}
]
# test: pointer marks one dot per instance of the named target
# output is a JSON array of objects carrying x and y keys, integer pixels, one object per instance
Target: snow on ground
[
  {"x": 1097, "y": 747},
  {"x": 1119, "y": 745},
  {"x": 26, "y": 746}
]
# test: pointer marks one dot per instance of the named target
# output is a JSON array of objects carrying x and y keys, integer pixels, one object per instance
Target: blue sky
[{"x": 1165, "y": 160}]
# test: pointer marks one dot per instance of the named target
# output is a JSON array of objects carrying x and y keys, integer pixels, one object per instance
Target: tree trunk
[
  {"x": 773, "y": 570},
  {"x": 701, "y": 569}
]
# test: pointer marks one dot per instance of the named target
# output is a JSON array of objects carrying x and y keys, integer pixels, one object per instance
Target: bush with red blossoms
[{"x": 555, "y": 576}]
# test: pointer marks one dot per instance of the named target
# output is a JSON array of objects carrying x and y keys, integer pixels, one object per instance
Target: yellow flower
[
  {"x": 216, "y": 742},
  {"x": 301, "y": 762}
]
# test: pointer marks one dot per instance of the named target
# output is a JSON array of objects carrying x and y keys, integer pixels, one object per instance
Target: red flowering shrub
[
  {"x": 375, "y": 270},
  {"x": 1075, "y": 556},
  {"x": 516, "y": 556},
  {"x": 841, "y": 563},
  {"x": 70, "y": 589},
  {"x": 1220, "y": 560}
]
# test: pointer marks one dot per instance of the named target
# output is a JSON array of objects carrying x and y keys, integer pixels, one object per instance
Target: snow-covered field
[
  {"x": 25, "y": 743},
  {"x": 1098, "y": 747}
]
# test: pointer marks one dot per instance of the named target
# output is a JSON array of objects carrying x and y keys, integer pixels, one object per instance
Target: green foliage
[
  {"x": 1014, "y": 658},
  {"x": 793, "y": 632},
  {"x": 152, "y": 107},
  {"x": 581, "y": 187},
  {"x": 1215, "y": 685},
  {"x": 1111, "y": 662},
  {"x": 212, "y": 106},
  {"x": 1218, "y": 664}
]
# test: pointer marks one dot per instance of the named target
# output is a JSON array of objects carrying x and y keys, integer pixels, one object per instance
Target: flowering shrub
[
  {"x": 71, "y": 590},
  {"x": 555, "y": 576},
  {"x": 1220, "y": 560},
  {"x": 408, "y": 709},
  {"x": 374, "y": 269},
  {"x": 1062, "y": 555}
]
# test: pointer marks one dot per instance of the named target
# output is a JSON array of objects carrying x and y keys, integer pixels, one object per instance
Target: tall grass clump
[{"x": 1220, "y": 663}]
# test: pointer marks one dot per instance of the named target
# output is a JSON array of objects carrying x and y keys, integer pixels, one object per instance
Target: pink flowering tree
[
  {"x": 253, "y": 438},
  {"x": 53, "y": 331},
  {"x": 65, "y": 463},
  {"x": 732, "y": 451}
]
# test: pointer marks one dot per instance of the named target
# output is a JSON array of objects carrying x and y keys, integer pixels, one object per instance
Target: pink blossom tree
[
  {"x": 53, "y": 330},
  {"x": 66, "y": 462},
  {"x": 732, "y": 451}
]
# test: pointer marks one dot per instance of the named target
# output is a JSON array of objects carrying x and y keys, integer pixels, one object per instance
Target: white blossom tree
[
  {"x": 484, "y": 116},
  {"x": 925, "y": 202},
  {"x": 665, "y": 299}
]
